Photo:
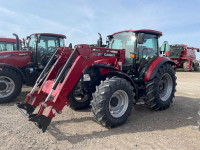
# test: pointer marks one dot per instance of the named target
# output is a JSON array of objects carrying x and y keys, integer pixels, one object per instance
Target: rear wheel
[
  {"x": 160, "y": 90},
  {"x": 196, "y": 66},
  {"x": 10, "y": 85},
  {"x": 186, "y": 66},
  {"x": 112, "y": 102}
]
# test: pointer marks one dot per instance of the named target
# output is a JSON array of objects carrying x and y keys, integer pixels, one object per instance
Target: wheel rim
[
  {"x": 118, "y": 103},
  {"x": 7, "y": 86},
  {"x": 165, "y": 87}
]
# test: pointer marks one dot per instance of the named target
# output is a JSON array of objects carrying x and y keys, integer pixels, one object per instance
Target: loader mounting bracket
[
  {"x": 41, "y": 121},
  {"x": 28, "y": 107}
]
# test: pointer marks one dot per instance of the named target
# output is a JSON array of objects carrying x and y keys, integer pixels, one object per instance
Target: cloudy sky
[{"x": 80, "y": 20}]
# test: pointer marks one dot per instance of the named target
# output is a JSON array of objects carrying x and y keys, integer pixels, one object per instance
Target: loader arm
[{"x": 63, "y": 76}]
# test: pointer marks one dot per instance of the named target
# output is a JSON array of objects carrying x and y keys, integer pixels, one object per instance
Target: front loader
[{"x": 110, "y": 79}]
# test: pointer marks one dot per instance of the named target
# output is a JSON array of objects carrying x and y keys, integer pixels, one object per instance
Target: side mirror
[
  {"x": 70, "y": 45},
  {"x": 140, "y": 38}
]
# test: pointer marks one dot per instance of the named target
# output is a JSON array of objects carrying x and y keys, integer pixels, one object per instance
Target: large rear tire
[
  {"x": 196, "y": 66},
  {"x": 10, "y": 85},
  {"x": 112, "y": 102},
  {"x": 160, "y": 90}
]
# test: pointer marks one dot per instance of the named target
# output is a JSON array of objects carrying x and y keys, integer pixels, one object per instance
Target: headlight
[{"x": 86, "y": 77}]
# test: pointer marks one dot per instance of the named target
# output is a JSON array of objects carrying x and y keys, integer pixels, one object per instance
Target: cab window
[{"x": 150, "y": 46}]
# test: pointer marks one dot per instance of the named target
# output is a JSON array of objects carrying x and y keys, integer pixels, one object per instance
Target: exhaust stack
[{"x": 17, "y": 41}]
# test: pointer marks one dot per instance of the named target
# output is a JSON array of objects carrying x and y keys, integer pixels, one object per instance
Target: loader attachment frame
[{"x": 63, "y": 76}]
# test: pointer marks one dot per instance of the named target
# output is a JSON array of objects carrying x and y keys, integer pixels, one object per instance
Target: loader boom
[{"x": 64, "y": 75}]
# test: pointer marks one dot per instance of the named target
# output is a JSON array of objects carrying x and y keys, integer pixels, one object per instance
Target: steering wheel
[
  {"x": 51, "y": 49},
  {"x": 45, "y": 58},
  {"x": 42, "y": 50}
]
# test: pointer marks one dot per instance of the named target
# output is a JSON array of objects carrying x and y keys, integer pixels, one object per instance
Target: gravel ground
[{"x": 174, "y": 128}]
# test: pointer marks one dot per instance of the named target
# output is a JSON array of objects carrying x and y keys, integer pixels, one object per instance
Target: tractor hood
[{"x": 15, "y": 58}]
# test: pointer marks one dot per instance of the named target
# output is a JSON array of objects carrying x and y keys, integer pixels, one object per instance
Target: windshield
[
  {"x": 8, "y": 46},
  {"x": 47, "y": 43},
  {"x": 123, "y": 40}
]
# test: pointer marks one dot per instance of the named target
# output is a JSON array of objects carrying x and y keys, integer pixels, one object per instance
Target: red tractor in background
[
  {"x": 10, "y": 44},
  {"x": 24, "y": 66},
  {"x": 183, "y": 57},
  {"x": 111, "y": 79}
]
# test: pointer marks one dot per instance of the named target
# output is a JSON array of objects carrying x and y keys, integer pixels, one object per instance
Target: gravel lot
[{"x": 175, "y": 128}]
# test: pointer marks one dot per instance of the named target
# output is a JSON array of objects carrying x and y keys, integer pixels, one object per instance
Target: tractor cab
[
  {"x": 42, "y": 46},
  {"x": 10, "y": 44},
  {"x": 142, "y": 45}
]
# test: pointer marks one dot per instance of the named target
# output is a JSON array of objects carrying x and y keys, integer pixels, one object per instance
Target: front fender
[
  {"x": 3, "y": 65},
  {"x": 154, "y": 66}
]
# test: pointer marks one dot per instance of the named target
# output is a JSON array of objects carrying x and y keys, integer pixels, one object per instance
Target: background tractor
[
  {"x": 111, "y": 79},
  {"x": 10, "y": 44},
  {"x": 24, "y": 66},
  {"x": 182, "y": 55}
]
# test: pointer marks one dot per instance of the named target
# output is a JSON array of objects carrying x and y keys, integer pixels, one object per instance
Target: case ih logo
[
  {"x": 102, "y": 54},
  {"x": 6, "y": 56},
  {"x": 11, "y": 55}
]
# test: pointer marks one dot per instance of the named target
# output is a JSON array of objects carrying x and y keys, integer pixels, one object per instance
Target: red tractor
[
  {"x": 184, "y": 57},
  {"x": 111, "y": 79},
  {"x": 10, "y": 44},
  {"x": 24, "y": 66}
]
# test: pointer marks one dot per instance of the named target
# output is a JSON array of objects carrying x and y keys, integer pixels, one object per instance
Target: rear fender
[
  {"x": 2, "y": 65},
  {"x": 154, "y": 66}
]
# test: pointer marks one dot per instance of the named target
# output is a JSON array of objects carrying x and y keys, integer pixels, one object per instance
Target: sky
[{"x": 81, "y": 20}]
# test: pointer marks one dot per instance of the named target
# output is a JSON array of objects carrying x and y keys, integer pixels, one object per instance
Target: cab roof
[
  {"x": 50, "y": 34},
  {"x": 11, "y": 40},
  {"x": 141, "y": 30}
]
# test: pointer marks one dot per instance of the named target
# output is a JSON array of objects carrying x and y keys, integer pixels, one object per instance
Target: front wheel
[
  {"x": 160, "y": 90},
  {"x": 112, "y": 102},
  {"x": 77, "y": 100},
  {"x": 10, "y": 85}
]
